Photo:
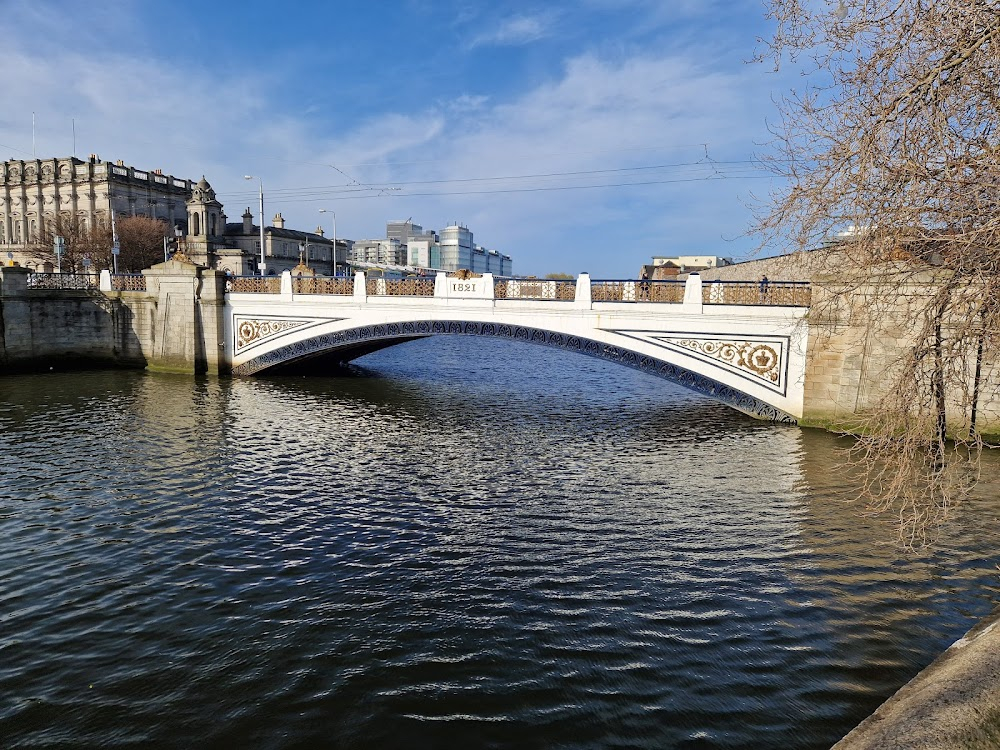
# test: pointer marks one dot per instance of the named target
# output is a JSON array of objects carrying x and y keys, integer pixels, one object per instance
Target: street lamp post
[
  {"x": 261, "y": 183},
  {"x": 115, "y": 247},
  {"x": 334, "y": 258}
]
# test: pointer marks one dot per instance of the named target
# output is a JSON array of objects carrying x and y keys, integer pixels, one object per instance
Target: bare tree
[
  {"x": 893, "y": 143},
  {"x": 82, "y": 240},
  {"x": 140, "y": 239}
]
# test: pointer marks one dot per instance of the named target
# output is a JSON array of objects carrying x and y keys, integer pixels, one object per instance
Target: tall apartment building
[
  {"x": 383, "y": 252},
  {"x": 452, "y": 249},
  {"x": 456, "y": 247}
]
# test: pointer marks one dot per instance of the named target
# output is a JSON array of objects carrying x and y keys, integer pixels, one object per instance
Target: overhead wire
[{"x": 719, "y": 170}]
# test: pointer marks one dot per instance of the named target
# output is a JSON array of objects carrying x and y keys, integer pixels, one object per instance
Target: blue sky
[{"x": 573, "y": 136}]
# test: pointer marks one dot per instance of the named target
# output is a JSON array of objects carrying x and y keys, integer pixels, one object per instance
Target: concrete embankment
[{"x": 953, "y": 704}]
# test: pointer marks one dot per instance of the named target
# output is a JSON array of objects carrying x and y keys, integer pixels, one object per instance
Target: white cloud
[
  {"x": 513, "y": 31},
  {"x": 640, "y": 109}
]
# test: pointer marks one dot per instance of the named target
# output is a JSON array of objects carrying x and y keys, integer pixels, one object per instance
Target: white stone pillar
[
  {"x": 286, "y": 283},
  {"x": 583, "y": 296},
  {"x": 441, "y": 284},
  {"x": 692, "y": 294},
  {"x": 360, "y": 287}
]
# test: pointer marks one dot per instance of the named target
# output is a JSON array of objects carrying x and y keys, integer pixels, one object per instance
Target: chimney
[
  {"x": 319, "y": 231},
  {"x": 279, "y": 221},
  {"x": 247, "y": 221}
]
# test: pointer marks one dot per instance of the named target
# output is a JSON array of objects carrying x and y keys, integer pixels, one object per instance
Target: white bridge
[{"x": 742, "y": 343}]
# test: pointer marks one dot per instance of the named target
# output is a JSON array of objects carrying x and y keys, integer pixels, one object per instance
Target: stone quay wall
[
  {"x": 858, "y": 343},
  {"x": 64, "y": 328},
  {"x": 175, "y": 325}
]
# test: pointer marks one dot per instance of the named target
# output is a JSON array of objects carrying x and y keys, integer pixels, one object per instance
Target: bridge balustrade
[
  {"x": 254, "y": 284},
  {"x": 62, "y": 281},
  {"x": 550, "y": 289},
  {"x": 128, "y": 282},
  {"x": 414, "y": 287},
  {"x": 637, "y": 291},
  {"x": 580, "y": 291},
  {"x": 323, "y": 285},
  {"x": 777, "y": 293}
]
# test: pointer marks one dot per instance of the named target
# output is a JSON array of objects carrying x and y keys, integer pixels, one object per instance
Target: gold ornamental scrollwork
[
  {"x": 762, "y": 360},
  {"x": 251, "y": 331}
]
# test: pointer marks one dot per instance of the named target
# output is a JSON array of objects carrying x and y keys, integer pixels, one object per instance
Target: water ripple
[{"x": 560, "y": 554}]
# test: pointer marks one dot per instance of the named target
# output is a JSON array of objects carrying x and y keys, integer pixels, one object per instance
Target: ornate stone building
[{"x": 34, "y": 192}]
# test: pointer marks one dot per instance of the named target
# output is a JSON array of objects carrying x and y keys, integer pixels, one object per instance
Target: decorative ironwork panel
[
  {"x": 249, "y": 332},
  {"x": 254, "y": 284},
  {"x": 550, "y": 289},
  {"x": 411, "y": 287},
  {"x": 62, "y": 281},
  {"x": 661, "y": 291},
  {"x": 612, "y": 291},
  {"x": 128, "y": 282},
  {"x": 322, "y": 285},
  {"x": 774, "y": 293},
  {"x": 761, "y": 360},
  {"x": 416, "y": 287}
]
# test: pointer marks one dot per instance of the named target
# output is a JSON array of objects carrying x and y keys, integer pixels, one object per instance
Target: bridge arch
[{"x": 356, "y": 341}]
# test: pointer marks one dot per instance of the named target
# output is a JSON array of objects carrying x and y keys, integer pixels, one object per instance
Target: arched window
[
  {"x": 196, "y": 224},
  {"x": 211, "y": 224}
]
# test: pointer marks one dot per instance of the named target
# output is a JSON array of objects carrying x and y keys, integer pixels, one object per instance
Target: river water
[{"x": 460, "y": 543}]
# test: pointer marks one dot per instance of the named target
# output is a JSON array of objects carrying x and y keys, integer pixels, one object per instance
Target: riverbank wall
[
  {"x": 174, "y": 325},
  {"x": 43, "y": 329},
  {"x": 953, "y": 704}
]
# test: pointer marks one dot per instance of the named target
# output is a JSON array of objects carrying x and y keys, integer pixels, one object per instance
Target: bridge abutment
[{"x": 187, "y": 320}]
